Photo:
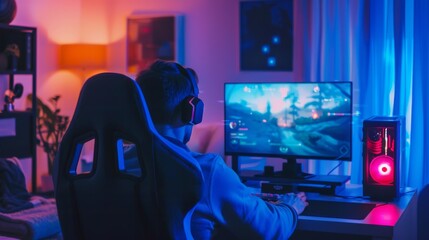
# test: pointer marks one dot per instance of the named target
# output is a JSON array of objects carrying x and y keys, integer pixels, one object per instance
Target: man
[{"x": 228, "y": 209}]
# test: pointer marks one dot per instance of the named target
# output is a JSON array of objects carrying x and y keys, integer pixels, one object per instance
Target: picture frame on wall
[
  {"x": 153, "y": 36},
  {"x": 266, "y": 35}
]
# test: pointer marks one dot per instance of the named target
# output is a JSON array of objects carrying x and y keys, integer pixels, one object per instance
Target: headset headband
[{"x": 189, "y": 73}]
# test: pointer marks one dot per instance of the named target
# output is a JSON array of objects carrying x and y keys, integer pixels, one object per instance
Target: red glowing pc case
[{"x": 383, "y": 152}]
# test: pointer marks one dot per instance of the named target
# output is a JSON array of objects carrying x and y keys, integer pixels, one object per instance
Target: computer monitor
[{"x": 289, "y": 120}]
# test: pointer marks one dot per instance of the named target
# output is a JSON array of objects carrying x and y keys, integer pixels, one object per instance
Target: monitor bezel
[{"x": 291, "y": 156}]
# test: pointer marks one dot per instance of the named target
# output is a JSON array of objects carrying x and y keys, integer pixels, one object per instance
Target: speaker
[{"x": 383, "y": 152}]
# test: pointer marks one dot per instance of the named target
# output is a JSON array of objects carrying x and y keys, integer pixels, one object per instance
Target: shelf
[
  {"x": 18, "y": 72},
  {"x": 21, "y": 42},
  {"x": 18, "y": 128}
]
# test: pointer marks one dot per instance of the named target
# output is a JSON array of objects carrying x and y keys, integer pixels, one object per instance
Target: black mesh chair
[{"x": 111, "y": 200}]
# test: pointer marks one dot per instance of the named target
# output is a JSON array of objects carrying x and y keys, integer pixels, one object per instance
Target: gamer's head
[{"x": 171, "y": 93}]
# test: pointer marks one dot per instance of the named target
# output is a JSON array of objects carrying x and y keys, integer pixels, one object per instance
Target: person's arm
[{"x": 247, "y": 216}]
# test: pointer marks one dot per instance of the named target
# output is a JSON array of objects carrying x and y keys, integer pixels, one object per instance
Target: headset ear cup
[
  {"x": 192, "y": 110},
  {"x": 199, "y": 110}
]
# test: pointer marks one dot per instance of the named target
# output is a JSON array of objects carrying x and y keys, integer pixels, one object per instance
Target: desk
[{"x": 392, "y": 220}]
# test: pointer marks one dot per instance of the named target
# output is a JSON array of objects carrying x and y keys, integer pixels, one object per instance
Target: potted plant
[{"x": 50, "y": 128}]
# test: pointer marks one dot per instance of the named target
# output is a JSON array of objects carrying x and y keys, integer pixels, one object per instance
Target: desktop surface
[
  {"x": 339, "y": 216},
  {"x": 348, "y": 215}
]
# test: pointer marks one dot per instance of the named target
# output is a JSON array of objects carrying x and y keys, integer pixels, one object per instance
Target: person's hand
[{"x": 298, "y": 201}]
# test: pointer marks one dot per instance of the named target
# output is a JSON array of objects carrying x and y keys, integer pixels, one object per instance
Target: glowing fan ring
[{"x": 381, "y": 169}]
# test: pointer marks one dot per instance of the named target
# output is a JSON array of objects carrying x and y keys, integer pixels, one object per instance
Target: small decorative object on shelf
[
  {"x": 9, "y": 57},
  {"x": 10, "y": 96},
  {"x": 12, "y": 53},
  {"x": 50, "y": 128},
  {"x": 7, "y": 11}
]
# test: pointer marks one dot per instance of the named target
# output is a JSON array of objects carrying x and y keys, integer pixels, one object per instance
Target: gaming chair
[{"x": 109, "y": 201}]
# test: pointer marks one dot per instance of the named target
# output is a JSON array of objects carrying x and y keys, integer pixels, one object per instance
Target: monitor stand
[
  {"x": 292, "y": 170},
  {"x": 291, "y": 178}
]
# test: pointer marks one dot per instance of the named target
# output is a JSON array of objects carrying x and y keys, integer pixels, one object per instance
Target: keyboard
[
  {"x": 337, "y": 209},
  {"x": 271, "y": 197},
  {"x": 328, "y": 209}
]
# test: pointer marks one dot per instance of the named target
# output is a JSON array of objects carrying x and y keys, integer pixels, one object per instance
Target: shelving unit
[{"x": 18, "y": 136}]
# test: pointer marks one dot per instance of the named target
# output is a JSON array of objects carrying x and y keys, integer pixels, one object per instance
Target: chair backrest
[{"x": 154, "y": 201}]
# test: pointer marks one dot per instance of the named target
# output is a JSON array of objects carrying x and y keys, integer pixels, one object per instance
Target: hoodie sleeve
[{"x": 243, "y": 215}]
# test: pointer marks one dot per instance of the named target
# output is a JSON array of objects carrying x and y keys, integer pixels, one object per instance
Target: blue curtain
[
  {"x": 382, "y": 47},
  {"x": 419, "y": 142}
]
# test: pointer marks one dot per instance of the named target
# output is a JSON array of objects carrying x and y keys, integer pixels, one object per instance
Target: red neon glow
[
  {"x": 385, "y": 215},
  {"x": 375, "y": 144},
  {"x": 381, "y": 169}
]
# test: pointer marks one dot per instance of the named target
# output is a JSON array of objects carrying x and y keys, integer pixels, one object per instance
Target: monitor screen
[{"x": 294, "y": 120}]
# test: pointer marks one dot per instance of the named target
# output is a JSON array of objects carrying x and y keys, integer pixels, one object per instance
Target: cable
[{"x": 338, "y": 165}]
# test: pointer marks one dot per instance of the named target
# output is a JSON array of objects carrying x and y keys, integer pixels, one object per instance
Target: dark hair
[{"x": 165, "y": 85}]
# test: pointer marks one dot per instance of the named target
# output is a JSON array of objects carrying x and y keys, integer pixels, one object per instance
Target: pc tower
[{"x": 383, "y": 152}]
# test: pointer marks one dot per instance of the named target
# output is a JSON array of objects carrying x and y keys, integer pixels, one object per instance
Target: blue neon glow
[
  {"x": 276, "y": 39},
  {"x": 265, "y": 49},
  {"x": 272, "y": 62}
]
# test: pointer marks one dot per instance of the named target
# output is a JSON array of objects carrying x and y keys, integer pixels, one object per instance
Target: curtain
[
  {"x": 418, "y": 161},
  {"x": 382, "y": 47}
]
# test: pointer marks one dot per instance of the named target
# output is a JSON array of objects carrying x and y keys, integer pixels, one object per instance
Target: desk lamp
[{"x": 82, "y": 56}]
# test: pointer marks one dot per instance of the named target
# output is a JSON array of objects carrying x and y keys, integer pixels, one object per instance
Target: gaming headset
[{"x": 192, "y": 106}]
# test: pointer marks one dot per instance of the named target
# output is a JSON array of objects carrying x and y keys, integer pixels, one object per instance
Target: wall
[
  {"x": 211, "y": 44},
  {"x": 211, "y": 41}
]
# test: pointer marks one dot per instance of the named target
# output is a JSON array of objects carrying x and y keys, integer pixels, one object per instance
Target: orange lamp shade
[{"x": 82, "y": 56}]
